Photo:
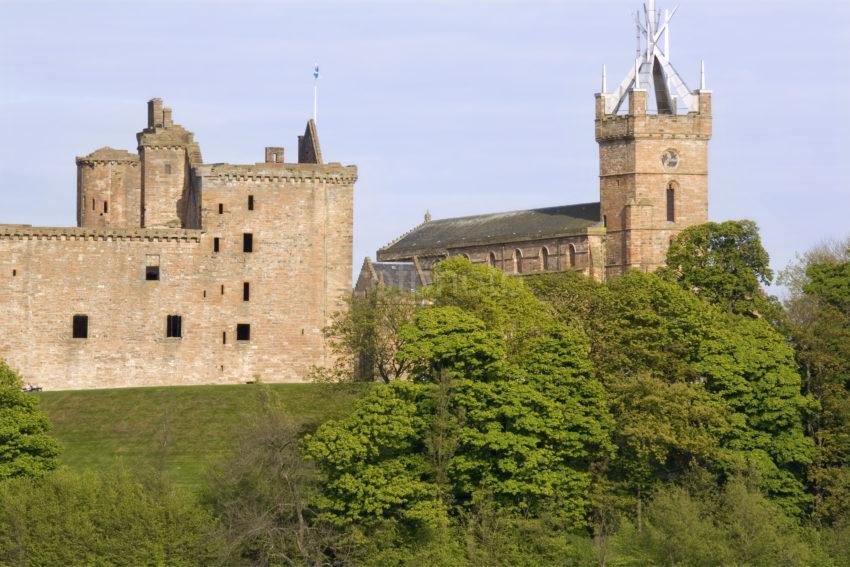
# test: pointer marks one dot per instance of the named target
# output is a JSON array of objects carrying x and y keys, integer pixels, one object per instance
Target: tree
[
  {"x": 26, "y": 449},
  {"x": 263, "y": 494},
  {"x": 103, "y": 518},
  {"x": 819, "y": 319},
  {"x": 364, "y": 337},
  {"x": 723, "y": 263}
]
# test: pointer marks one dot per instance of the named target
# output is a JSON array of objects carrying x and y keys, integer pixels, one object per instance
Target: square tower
[{"x": 653, "y": 159}]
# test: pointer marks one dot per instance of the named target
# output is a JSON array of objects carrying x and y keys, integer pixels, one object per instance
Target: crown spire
[{"x": 652, "y": 69}]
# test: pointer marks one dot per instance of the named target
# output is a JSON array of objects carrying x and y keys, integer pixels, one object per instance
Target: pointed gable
[{"x": 308, "y": 145}]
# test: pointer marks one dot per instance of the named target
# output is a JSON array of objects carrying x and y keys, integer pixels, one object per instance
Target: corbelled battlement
[
  {"x": 107, "y": 155},
  {"x": 276, "y": 172},
  {"x": 27, "y": 232}
]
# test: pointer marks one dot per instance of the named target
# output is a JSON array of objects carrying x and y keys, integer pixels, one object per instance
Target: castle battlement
[
  {"x": 26, "y": 232},
  {"x": 181, "y": 272}
]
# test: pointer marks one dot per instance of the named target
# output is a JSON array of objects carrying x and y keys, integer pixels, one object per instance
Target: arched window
[
  {"x": 491, "y": 260},
  {"x": 544, "y": 259},
  {"x": 671, "y": 202},
  {"x": 572, "y": 256},
  {"x": 517, "y": 261}
]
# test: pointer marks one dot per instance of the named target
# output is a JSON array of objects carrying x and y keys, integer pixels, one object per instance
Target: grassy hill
[{"x": 178, "y": 430}]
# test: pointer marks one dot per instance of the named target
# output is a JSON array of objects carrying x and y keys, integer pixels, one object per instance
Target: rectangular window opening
[
  {"x": 222, "y": 289},
  {"x": 224, "y": 337},
  {"x": 247, "y": 242},
  {"x": 216, "y": 244},
  {"x": 246, "y": 291},
  {"x": 93, "y": 205},
  {"x": 221, "y": 208},
  {"x": 243, "y": 332},
  {"x": 81, "y": 327},
  {"x": 152, "y": 273},
  {"x": 14, "y": 273},
  {"x": 174, "y": 326},
  {"x": 250, "y": 202},
  {"x": 105, "y": 207}
]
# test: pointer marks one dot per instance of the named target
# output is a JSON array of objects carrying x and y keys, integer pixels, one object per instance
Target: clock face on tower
[{"x": 670, "y": 159}]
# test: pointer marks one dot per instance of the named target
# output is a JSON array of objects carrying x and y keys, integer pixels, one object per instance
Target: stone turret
[{"x": 167, "y": 152}]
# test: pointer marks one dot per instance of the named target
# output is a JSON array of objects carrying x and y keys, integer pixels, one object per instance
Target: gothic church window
[
  {"x": 80, "y": 327},
  {"x": 491, "y": 260},
  {"x": 544, "y": 259},
  {"x": 671, "y": 203},
  {"x": 517, "y": 261},
  {"x": 174, "y": 326},
  {"x": 572, "y": 256}
]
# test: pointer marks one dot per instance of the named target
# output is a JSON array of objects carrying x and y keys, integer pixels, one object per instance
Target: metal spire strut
[{"x": 652, "y": 68}]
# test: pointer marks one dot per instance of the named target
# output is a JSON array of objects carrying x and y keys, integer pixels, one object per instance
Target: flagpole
[{"x": 316, "y": 94}]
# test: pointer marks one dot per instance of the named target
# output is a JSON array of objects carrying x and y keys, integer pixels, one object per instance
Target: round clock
[{"x": 670, "y": 159}]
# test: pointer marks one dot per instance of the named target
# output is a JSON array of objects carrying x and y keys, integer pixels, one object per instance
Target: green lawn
[{"x": 177, "y": 430}]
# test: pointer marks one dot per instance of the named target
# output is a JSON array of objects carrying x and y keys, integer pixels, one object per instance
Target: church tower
[{"x": 653, "y": 134}]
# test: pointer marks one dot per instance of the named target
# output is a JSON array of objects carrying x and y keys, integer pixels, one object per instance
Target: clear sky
[{"x": 457, "y": 107}]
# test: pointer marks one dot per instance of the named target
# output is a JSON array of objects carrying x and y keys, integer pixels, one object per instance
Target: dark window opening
[
  {"x": 572, "y": 256},
  {"x": 168, "y": 168},
  {"x": 224, "y": 337},
  {"x": 105, "y": 207},
  {"x": 14, "y": 273},
  {"x": 93, "y": 205},
  {"x": 243, "y": 332},
  {"x": 174, "y": 326},
  {"x": 152, "y": 273},
  {"x": 247, "y": 242},
  {"x": 81, "y": 327},
  {"x": 491, "y": 260},
  {"x": 246, "y": 291},
  {"x": 250, "y": 202},
  {"x": 605, "y": 221},
  {"x": 517, "y": 261},
  {"x": 216, "y": 244},
  {"x": 671, "y": 203},
  {"x": 222, "y": 289},
  {"x": 544, "y": 259},
  {"x": 205, "y": 293},
  {"x": 221, "y": 208}
]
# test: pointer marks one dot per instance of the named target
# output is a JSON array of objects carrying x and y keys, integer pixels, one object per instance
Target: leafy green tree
[
  {"x": 111, "y": 518},
  {"x": 723, "y": 263},
  {"x": 26, "y": 448},
  {"x": 819, "y": 318}
]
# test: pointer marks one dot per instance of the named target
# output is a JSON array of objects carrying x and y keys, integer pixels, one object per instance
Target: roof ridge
[{"x": 511, "y": 212}]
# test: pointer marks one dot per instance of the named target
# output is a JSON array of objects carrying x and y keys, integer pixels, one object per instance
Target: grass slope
[{"x": 177, "y": 430}]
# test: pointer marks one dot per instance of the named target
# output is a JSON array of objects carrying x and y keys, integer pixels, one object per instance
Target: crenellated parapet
[
  {"x": 27, "y": 232},
  {"x": 282, "y": 172}
]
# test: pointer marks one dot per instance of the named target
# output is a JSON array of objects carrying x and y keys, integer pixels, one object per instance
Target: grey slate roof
[{"x": 436, "y": 236}]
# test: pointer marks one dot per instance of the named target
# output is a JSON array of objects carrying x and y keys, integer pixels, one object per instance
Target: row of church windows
[
  {"x": 173, "y": 328},
  {"x": 517, "y": 259}
]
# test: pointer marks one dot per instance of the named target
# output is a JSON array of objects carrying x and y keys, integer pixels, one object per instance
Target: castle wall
[
  {"x": 108, "y": 190},
  {"x": 298, "y": 273}
]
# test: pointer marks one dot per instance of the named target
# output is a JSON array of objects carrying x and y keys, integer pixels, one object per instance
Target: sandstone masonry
[{"x": 180, "y": 272}]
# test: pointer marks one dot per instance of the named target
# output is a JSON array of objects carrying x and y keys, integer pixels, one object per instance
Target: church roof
[{"x": 436, "y": 236}]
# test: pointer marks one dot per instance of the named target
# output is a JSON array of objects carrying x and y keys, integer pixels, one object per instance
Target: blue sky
[{"x": 457, "y": 107}]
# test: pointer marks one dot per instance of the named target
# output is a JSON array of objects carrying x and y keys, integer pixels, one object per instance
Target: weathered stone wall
[
  {"x": 298, "y": 271},
  {"x": 108, "y": 189}
]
